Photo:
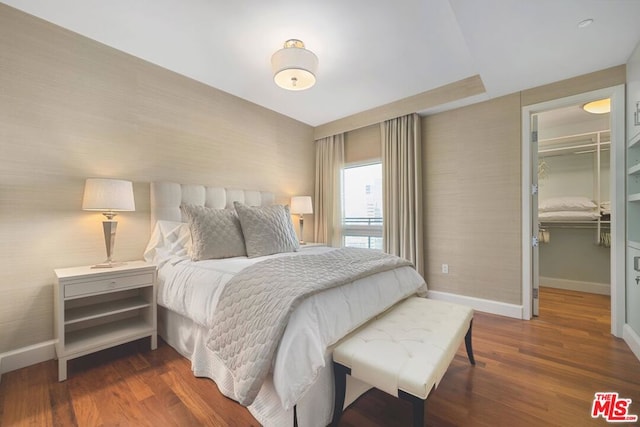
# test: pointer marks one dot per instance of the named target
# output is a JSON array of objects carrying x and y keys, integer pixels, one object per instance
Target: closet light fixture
[
  {"x": 600, "y": 106},
  {"x": 294, "y": 67}
]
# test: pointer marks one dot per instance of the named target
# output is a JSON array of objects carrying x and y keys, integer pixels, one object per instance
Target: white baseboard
[
  {"x": 576, "y": 285},
  {"x": 27, "y": 356},
  {"x": 479, "y": 304},
  {"x": 632, "y": 339}
]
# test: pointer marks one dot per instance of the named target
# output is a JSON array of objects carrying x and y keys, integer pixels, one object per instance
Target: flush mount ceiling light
[
  {"x": 600, "y": 106},
  {"x": 294, "y": 67}
]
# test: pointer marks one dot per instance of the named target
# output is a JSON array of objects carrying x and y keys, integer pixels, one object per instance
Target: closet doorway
[
  {"x": 574, "y": 203},
  {"x": 573, "y": 200}
]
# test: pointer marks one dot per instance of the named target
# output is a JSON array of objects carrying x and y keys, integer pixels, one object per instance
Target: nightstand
[{"x": 98, "y": 308}]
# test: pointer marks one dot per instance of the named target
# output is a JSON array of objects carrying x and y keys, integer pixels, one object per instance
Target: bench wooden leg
[
  {"x": 295, "y": 415},
  {"x": 417, "y": 405},
  {"x": 467, "y": 344},
  {"x": 340, "y": 375}
]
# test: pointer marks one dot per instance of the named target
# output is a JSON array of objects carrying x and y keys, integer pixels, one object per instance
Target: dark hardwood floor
[{"x": 542, "y": 372}]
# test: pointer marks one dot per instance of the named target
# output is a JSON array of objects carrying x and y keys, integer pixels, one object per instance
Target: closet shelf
[
  {"x": 573, "y": 149},
  {"x": 577, "y": 139},
  {"x": 594, "y": 222},
  {"x": 633, "y": 141},
  {"x": 633, "y": 244},
  {"x": 635, "y": 197},
  {"x": 583, "y": 143},
  {"x": 575, "y": 224},
  {"x": 634, "y": 170}
]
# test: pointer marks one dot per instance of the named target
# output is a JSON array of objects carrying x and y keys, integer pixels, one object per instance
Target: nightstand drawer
[{"x": 107, "y": 284}]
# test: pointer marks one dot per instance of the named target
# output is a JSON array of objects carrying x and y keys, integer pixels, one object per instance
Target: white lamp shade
[
  {"x": 108, "y": 195},
  {"x": 294, "y": 67},
  {"x": 301, "y": 205}
]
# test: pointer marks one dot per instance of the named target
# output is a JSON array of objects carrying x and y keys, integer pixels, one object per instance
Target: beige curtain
[
  {"x": 328, "y": 212},
  {"x": 402, "y": 189}
]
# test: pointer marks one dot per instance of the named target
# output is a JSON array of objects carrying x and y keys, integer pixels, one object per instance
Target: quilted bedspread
[{"x": 255, "y": 305}]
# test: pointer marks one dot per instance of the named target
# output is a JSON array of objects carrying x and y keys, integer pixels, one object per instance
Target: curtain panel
[
  {"x": 328, "y": 192},
  {"x": 402, "y": 189}
]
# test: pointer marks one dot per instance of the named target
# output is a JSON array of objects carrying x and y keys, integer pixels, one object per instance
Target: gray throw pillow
[
  {"x": 215, "y": 233},
  {"x": 267, "y": 230}
]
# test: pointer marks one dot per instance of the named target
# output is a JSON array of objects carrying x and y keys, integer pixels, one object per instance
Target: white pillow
[
  {"x": 267, "y": 230},
  {"x": 215, "y": 233},
  {"x": 566, "y": 204},
  {"x": 169, "y": 238}
]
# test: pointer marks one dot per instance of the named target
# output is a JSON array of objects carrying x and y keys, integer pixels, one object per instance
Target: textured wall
[
  {"x": 72, "y": 108},
  {"x": 471, "y": 173},
  {"x": 363, "y": 145}
]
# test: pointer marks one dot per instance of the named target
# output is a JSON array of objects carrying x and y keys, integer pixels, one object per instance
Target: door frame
[{"x": 617, "y": 192}]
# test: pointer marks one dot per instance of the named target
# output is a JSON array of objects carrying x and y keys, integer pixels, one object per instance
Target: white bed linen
[
  {"x": 191, "y": 289},
  {"x": 569, "y": 216}
]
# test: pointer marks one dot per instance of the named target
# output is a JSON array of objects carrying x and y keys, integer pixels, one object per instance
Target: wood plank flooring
[{"x": 542, "y": 372}]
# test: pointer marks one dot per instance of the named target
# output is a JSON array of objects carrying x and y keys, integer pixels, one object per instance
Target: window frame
[{"x": 360, "y": 230}]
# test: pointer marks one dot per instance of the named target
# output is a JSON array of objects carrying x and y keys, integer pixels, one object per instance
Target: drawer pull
[{"x": 636, "y": 263}]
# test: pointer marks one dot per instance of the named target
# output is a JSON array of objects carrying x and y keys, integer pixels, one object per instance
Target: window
[{"x": 362, "y": 206}]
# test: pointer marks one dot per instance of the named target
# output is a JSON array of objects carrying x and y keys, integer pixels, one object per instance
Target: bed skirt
[{"x": 315, "y": 408}]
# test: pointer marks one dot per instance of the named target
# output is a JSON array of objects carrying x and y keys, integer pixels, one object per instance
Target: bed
[{"x": 299, "y": 379}]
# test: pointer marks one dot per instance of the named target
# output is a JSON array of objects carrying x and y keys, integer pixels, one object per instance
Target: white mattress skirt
[{"x": 315, "y": 408}]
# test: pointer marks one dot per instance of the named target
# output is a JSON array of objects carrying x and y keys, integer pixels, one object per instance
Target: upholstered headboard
[{"x": 166, "y": 198}]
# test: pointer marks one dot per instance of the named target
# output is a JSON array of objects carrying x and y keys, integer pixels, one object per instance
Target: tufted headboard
[{"x": 166, "y": 198}]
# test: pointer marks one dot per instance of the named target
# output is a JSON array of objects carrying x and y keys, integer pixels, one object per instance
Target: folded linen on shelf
[
  {"x": 569, "y": 216},
  {"x": 567, "y": 203}
]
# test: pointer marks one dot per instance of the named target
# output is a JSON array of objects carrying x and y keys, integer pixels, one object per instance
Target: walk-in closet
[{"x": 574, "y": 201}]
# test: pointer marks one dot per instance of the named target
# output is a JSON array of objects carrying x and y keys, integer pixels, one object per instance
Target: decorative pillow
[
  {"x": 215, "y": 233},
  {"x": 267, "y": 230},
  {"x": 566, "y": 204}
]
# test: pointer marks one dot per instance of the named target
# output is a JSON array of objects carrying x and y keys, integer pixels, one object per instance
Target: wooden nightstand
[{"x": 98, "y": 308}]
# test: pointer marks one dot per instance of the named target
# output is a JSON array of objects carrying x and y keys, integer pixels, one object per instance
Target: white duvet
[{"x": 192, "y": 289}]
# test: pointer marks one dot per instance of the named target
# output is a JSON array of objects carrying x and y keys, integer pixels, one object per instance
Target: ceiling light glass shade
[
  {"x": 294, "y": 67},
  {"x": 600, "y": 106}
]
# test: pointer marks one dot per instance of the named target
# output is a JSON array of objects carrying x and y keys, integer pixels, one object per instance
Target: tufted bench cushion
[{"x": 405, "y": 351}]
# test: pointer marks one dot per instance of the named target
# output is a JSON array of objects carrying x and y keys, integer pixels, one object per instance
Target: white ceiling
[{"x": 371, "y": 52}]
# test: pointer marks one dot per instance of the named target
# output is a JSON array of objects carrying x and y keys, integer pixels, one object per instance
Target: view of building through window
[{"x": 362, "y": 204}]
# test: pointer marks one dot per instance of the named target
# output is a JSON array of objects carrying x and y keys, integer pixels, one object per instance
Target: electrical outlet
[{"x": 445, "y": 268}]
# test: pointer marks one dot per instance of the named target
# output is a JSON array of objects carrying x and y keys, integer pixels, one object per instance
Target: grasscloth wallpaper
[
  {"x": 72, "y": 108},
  {"x": 471, "y": 173}
]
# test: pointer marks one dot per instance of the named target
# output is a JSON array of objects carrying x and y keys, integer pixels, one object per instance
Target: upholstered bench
[{"x": 404, "y": 351}]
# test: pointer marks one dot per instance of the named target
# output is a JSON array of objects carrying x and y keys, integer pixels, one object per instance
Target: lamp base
[
  {"x": 109, "y": 228},
  {"x": 109, "y": 264},
  {"x": 302, "y": 230}
]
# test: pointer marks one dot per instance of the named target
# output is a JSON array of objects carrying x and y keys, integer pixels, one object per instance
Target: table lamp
[
  {"x": 301, "y": 205},
  {"x": 109, "y": 196}
]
